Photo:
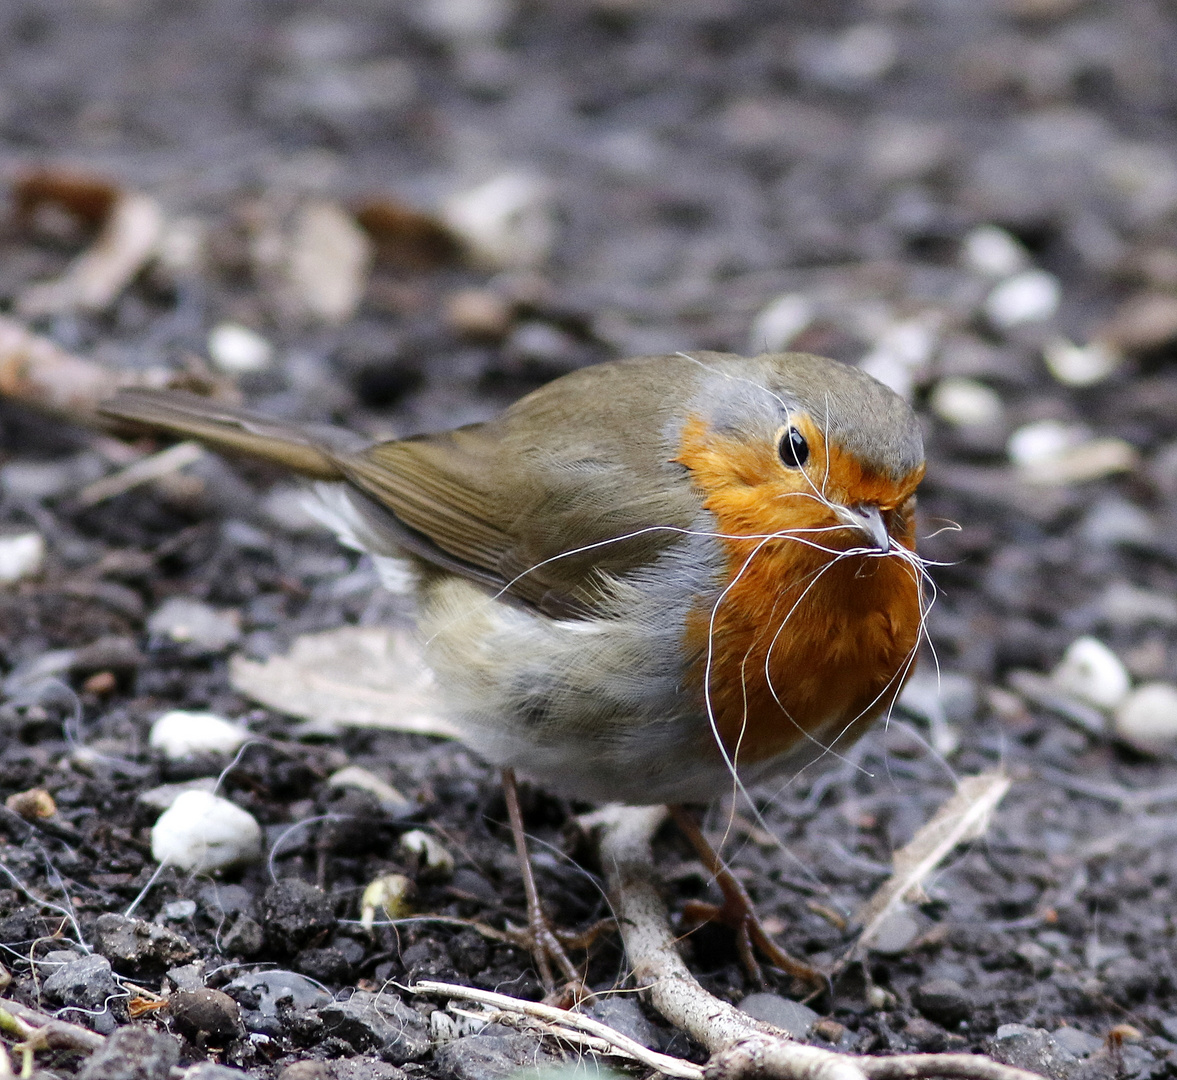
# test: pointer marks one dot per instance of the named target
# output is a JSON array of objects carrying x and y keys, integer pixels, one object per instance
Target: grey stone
[
  {"x": 490, "y": 1057},
  {"x": 365, "y": 1068},
  {"x": 195, "y": 627},
  {"x": 943, "y": 1000},
  {"x": 269, "y": 989},
  {"x": 1080, "y": 1043},
  {"x": 1034, "y": 1049},
  {"x": 896, "y": 933},
  {"x": 133, "y": 1053},
  {"x": 245, "y": 938},
  {"x": 139, "y": 947},
  {"x": 85, "y": 983},
  {"x": 624, "y": 1014},
  {"x": 381, "y": 1023},
  {"x": 1128, "y": 979},
  {"x": 790, "y": 1016},
  {"x": 295, "y": 915},
  {"x": 206, "y": 1070}
]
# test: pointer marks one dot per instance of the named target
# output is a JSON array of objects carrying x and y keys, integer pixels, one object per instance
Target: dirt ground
[{"x": 705, "y": 174}]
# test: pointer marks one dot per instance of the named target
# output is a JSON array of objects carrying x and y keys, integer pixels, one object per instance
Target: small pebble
[
  {"x": 296, "y": 915},
  {"x": 478, "y": 313},
  {"x": 354, "y": 776},
  {"x": 21, "y": 556},
  {"x": 901, "y": 353},
  {"x": 160, "y": 798},
  {"x": 943, "y": 1001},
  {"x": 137, "y": 946},
  {"x": 202, "y": 832},
  {"x": 189, "y": 622},
  {"x": 327, "y": 267},
  {"x": 1125, "y": 605},
  {"x": 434, "y": 861},
  {"x": 1113, "y": 521},
  {"x": 895, "y": 933},
  {"x": 1032, "y": 296},
  {"x": 32, "y": 805},
  {"x": 1080, "y": 365},
  {"x": 790, "y": 1016},
  {"x": 134, "y": 1052},
  {"x": 780, "y": 322},
  {"x": 181, "y": 734},
  {"x": 101, "y": 683},
  {"x": 237, "y": 350},
  {"x": 1143, "y": 323},
  {"x": 966, "y": 403},
  {"x": 1090, "y": 671},
  {"x": 992, "y": 251},
  {"x": 1077, "y": 1042},
  {"x": 1147, "y": 719},
  {"x": 1043, "y": 442},
  {"x": 507, "y": 222}
]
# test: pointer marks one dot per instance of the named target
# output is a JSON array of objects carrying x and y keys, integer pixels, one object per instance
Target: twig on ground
[
  {"x": 964, "y": 816},
  {"x": 668, "y": 1066},
  {"x": 740, "y": 1046},
  {"x": 46, "y": 1032},
  {"x": 143, "y": 471}
]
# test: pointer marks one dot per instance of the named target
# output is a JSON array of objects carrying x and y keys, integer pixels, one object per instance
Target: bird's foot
[{"x": 737, "y": 912}]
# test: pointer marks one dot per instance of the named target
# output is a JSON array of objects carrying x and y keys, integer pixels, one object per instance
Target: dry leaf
[
  {"x": 94, "y": 280},
  {"x": 964, "y": 816},
  {"x": 407, "y": 239},
  {"x": 356, "y": 676}
]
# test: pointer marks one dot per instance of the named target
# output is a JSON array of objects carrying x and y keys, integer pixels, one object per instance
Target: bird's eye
[{"x": 794, "y": 450}]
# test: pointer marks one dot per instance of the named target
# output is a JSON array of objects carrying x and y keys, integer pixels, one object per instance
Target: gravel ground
[{"x": 978, "y": 202}]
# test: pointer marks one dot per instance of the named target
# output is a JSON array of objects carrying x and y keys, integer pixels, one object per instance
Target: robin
[{"x": 646, "y": 581}]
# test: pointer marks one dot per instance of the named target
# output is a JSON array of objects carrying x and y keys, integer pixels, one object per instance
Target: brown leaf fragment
[{"x": 405, "y": 238}]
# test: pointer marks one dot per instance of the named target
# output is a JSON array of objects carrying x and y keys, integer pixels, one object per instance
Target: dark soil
[{"x": 702, "y": 159}]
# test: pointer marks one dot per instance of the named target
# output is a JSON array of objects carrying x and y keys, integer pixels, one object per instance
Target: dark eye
[{"x": 794, "y": 450}]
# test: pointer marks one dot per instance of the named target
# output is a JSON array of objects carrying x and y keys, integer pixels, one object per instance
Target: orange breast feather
[{"x": 802, "y": 642}]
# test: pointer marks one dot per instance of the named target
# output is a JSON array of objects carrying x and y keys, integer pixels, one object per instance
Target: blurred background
[{"x": 403, "y": 215}]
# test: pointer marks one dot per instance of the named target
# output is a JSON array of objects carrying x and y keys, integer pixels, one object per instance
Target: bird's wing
[{"x": 573, "y": 482}]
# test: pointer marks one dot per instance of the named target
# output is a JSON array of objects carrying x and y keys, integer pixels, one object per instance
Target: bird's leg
[
  {"x": 736, "y": 910},
  {"x": 545, "y": 946}
]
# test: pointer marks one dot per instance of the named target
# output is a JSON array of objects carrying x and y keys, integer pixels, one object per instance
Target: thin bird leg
[
  {"x": 545, "y": 946},
  {"x": 736, "y": 910}
]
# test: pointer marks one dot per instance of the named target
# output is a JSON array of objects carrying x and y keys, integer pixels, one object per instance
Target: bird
[{"x": 652, "y": 580}]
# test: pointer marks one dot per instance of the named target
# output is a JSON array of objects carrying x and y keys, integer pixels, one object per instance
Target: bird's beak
[{"x": 868, "y": 520}]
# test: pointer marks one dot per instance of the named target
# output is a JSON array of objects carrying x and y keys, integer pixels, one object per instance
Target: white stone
[
  {"x": 237, "y": 350},
  {"x": 354, "y": 776},
  {"x": 1090, "y": 671},
  {"x": 329, "y": 260},
  {"x": 1029, "y": 297},
  {"x": 1147, "y": 720},
  {"x": 1080, "y": 365},
  {"x": 966, "y": 403},
  {"x": 780, "y": 322},
  {"x": 434, "y": 860},
  {"x": 992, "y": 251},
  {"x": 202, "y": 832},
  {"x": 1044, "y": 441},
  {"x": 192, "y": 622},
  {"x": 902, "y": 352},
  {"x": 21, "y": 556},
  {"x": 507, "y": 222},
  {"x": 181, "y": 734}
]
